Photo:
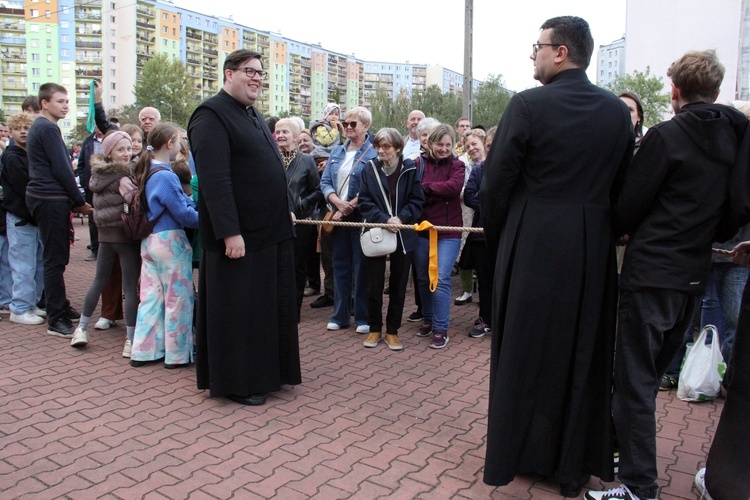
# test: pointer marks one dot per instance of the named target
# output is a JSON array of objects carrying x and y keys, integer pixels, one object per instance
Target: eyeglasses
[
  {"x": 352, "y": 124},
  {"x": 251, "y": 72},
  {"x": 535, "y": 46}
]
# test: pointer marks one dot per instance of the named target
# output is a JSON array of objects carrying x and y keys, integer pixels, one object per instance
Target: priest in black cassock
[
  {"x": 545, "y": 201},
  {"x": 246, "y": 339}
]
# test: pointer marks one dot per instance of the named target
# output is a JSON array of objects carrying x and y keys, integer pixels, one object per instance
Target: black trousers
[
  {"x": 651, "y": 326},
  {"x": 399, "y": 276},
  {"x": 728, "y": 465},
  {"x": 305, "y": 234},
  {"x": 484, "y": 266},
  {"x": 53, "y": 220}
]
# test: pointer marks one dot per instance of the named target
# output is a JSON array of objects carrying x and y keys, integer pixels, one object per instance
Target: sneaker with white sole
[
  {"x": 61, "y": 328},
  {"x": 80, "y": 337},
  {"x": 105, "y": 324},
  {"x": 463, "y": 299},
  {"x": 373, "y": 339},
  {"x": 39, "y": 312},
  {"x": 333, "y": 326},
  {"x": 700, "y": 483},
  {"x": 393, "y": 343},
  {"x": 27, "y": 318},
  {"x": 622, "y": 492},
  {"x": 439, "y": 340},
  {"x": 363, "y": 329},
  {"x": 424, "y": 330},
  {"x": 127, "y": 349}
]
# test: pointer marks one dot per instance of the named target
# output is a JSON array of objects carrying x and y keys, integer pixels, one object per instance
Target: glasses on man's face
[
  {"x": 251, "y": 72},
  {"x": 535, "y": 46},
  {"x": 352, "y": 124}
]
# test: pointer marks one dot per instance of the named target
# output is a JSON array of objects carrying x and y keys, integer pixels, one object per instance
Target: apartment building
[
  {"x": 74, "y": 41},
  {"x": 610, "y": 62}
]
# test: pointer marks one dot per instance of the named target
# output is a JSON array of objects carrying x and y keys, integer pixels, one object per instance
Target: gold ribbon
[{"x": 432, "y": 268}]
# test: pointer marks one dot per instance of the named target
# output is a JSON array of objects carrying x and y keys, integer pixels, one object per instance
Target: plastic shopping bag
[{"x": 703, "y": 369}]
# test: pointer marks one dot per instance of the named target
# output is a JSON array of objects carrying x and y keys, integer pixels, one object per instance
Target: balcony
[
  {"x": 248, "y": 38},
  {"x": 83, "y": 32},
  {"x": 13, "y": 41},
  {"x": 82, "y": 101},
  {"x": 195, "y": 62},
  {"x": 88, "y": 72},
  {"x": 145, "y": 39},
  {"x": 144, "y": 24},
  {"x": 145, "y": 11},
  {"x": 12, "y": 12},
  {"x": 17, "y": 26},
  {"x": 13, "y": 98},
  {"x": 194, "y": 36},
  {"x": 89, "y": 60},
  {"x": 88, "y": 16},
  {"x": 209, "y": 64},
  {"x": 211, "y": 39},
  {"x": 210, "y": 51},
  {"x": 210, "y": 75},
  {"x": 88, "y": 45},
  {"x": 14, "y": 56}
]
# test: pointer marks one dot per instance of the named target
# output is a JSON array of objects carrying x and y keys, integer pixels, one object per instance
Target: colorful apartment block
[{"x": 74, "y": 41}]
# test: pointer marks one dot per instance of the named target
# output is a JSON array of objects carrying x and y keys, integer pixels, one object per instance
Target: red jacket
[{"x": 442, "y": 183}]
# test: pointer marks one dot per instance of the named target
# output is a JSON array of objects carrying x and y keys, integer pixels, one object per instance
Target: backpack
[{"x": 134, "y": 214}]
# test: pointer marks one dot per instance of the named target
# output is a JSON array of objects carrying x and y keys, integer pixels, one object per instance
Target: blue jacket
[
  {"x": 471, "y": 198},
  {"x": 409, "y": 198},
  {"x": 329, "y": 182},
  {"x": 166, "y": 199}
]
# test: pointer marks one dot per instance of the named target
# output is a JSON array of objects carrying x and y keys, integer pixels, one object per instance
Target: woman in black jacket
[
  {"x": 303, "y": 183},
  {"x": 402, "y": 204}
]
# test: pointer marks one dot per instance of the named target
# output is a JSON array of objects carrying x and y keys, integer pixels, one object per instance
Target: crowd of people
[{"x": 556, "y": 187}]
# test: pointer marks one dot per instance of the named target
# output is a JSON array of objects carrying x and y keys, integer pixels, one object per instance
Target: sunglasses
[{"x": 352, "y": 124}]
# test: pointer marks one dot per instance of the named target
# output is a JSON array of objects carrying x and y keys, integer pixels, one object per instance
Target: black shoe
[
  {"x": 322, "y": 301},
  {"x": 138, "y": 364},
  {"x": 251, "y": 400},
  {"x": 91, "y": 257},
  {"x": 172, "y": 367},
  {"x": 415, "y": 316},
  {"x": 573, "y": 490},
  {"x": 667, "y": 383},
  {"x": 72, "y": 314},
  {"x": 61, "y": 328}
]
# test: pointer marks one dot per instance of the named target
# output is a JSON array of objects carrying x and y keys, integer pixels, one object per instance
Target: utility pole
[{"x": 468, "y": 58}]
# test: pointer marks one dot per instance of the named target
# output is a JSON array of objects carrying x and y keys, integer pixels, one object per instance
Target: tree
[
  {"x": 446, "y": 108},
  {"x": 164, "y": 82},
  {"x": 490, "y": 101},
  {"x": 650, "y": 89},
  {"x": 2, "y": 115}
]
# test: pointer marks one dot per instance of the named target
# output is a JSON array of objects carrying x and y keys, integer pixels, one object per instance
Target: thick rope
[{"x": 412, "y": 227}]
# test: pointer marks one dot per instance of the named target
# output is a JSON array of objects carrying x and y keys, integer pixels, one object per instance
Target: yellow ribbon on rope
[{"x": 432, "y": 268}]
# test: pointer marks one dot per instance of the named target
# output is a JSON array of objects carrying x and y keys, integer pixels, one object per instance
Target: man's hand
[
  {"x": 97, "y": 91},
  {"x": 741, "y": 254},
  {"x": 235, "y": 246},
  {"x": 84, "y": 209}
]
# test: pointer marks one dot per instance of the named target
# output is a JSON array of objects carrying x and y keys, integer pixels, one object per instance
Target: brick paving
[{"x": 364, "y": 423}]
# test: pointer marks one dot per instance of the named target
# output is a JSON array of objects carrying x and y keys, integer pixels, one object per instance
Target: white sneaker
[
  {"x": 700, "y": 483},
  {"x": 40, "y": 312},
  {"x": 80, "y": 337},
  {"x": 363, "y": 329},
  {"x": 127, "y": 349},
  {"x": 333, "y": 326},
  {"x": 462, "y": 299},
  {"x": 622, "y": 492},
  {"x": 27, "y": 318},
  {"x": 105, "y": 324}
]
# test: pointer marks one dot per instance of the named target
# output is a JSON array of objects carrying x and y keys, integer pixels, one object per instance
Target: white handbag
[{"x": 379, "y": 242}]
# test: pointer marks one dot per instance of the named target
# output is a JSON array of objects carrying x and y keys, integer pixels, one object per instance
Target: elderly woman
[
  {"x": 442, "y": 182},
  {"x": 305, "y": 141},
  {"x": 303, "y": 183},
  {"x": 340, "y": 185},
  {"x": 473, "y": 141},
  {"x": 390, "y": 192}
]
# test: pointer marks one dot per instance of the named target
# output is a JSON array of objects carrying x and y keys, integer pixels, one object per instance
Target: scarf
[{"x": 288, "y": 157}]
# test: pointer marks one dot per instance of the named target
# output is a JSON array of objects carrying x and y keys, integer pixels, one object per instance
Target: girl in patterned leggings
[{"x": 163, "y": 328}]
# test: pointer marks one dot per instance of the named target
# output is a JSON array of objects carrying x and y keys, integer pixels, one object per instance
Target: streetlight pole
[
  {"x": 170, "y": 109},
  {"x": 468, "y": 58}
]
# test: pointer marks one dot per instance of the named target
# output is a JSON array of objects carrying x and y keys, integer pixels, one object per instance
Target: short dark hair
[
  {"x": 47, "y": 90},
  {"x": 575, "y": 34},
  {"x": 31, "y": 103},
  {"x": 237, "y": 57}
]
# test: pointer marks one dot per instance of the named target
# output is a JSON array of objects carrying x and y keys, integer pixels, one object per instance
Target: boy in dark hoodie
[{"x": 674, "y": 204}]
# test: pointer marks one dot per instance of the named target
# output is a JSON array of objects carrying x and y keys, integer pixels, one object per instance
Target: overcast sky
[{"x": 422, "y": 32}]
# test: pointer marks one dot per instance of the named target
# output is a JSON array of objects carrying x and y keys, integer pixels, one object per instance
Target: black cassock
[
  {"x": 545, "y": 202},
  {"x": 246, "y": 335}
]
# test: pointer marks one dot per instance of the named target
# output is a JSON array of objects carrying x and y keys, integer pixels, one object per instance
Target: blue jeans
[
  {"x": 721, "y": 303},
  {"x": 436, "y": 305},
  {"x": 347, "y": 258},
  {"x": 6, "y": 281},
  {"x": 26, "y": 264}
]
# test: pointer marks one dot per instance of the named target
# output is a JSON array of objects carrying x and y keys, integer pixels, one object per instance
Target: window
[
  {"x": 35, "y": 72},
  {"x": 66, "y": 67},
  {"x": 114, "y": 86},
  {"x": 49, "y": 72},
  {"x": 35, "y": 57},
  {"x": 64, "y": 24},
  {"x": 34, "y": 28},
  {"x": 112, "y": 5},
  {"x": 112, "y": 19},
  {"x": 165, "y": 16},
  {"x": 49, "y": 28},
  {"x": 66, "y": 80},
  {"x": 34, "y": 42},
  {"x": 164, "y": 42},
  {"x": 166, "y": 30},
  {"x": 112, "y": 59},
  {"x": 35, "y": 86},
  {"x": 49, "y": 57},
  {"x": 34, "y": 12},
  {"x": 174, "y": 31},
  {"x": 112, "y": 45},
  {"x": 113, "y": 72},
  {"x": 113, "y": 99},
  {"x": 190, "y": 18},
  {"x": 49, "y": 43},
  {"x": 48, "y": 14},
  {"x": 64, "y": 38},
  {"x": 112, "y": 33}
]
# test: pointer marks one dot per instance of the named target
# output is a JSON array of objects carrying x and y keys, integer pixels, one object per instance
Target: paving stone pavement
[{"x": 364, "y": 423}]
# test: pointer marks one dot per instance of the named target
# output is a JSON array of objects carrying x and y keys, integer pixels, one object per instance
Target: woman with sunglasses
[{"x": 340, "y": 186}]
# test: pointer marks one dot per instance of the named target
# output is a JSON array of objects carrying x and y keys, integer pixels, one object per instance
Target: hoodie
[{"x": 676, "y": 194}]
